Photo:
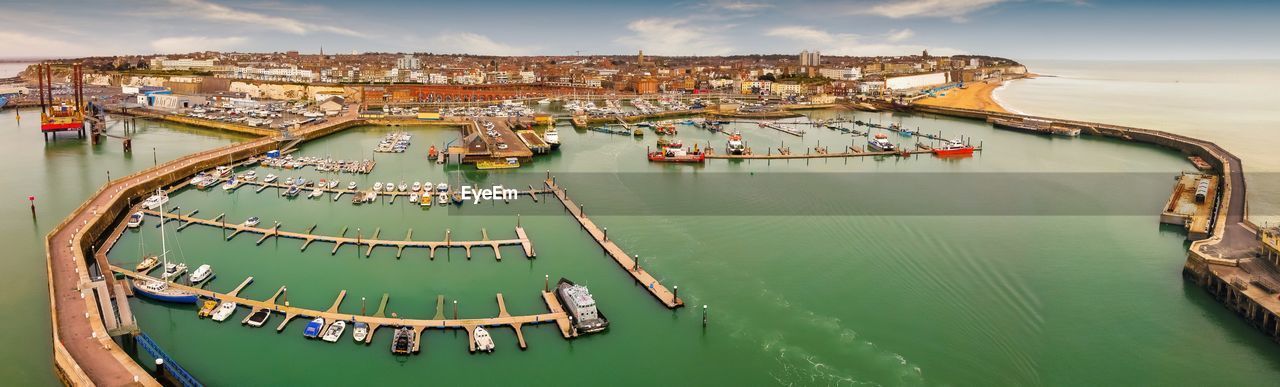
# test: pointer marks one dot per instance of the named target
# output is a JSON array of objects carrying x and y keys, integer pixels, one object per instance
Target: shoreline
[{"x": 975, "y": 96}]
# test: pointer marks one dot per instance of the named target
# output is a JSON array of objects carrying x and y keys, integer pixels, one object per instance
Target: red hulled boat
[{"x": 953, "y": 148}]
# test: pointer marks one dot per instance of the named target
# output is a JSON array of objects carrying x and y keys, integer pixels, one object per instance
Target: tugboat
[
  {"x": 953, "y": 148},
  {"x": 483, "y": 341},
  {"x": 677, "y": 155},
  {"x": 577, "y": 300},
  {"x": 735, "y": 146},
  {"x": 880, "y": 143},
  {"x": 402, "y": 342}
]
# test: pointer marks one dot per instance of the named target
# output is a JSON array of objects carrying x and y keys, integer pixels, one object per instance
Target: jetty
[
  {"x": 521, "y": 239},
  {"x": 379, "y": 320},
  {"x": 642, "y": 276}
]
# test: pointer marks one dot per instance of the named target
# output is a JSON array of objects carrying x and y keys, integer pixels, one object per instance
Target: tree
[{"x": 767, "y": 77}]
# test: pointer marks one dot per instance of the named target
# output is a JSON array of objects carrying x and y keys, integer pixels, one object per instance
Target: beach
[{"x": 973, "y": 96}]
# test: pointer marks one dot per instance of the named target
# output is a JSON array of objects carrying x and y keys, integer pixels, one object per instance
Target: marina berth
[
  {"x": 312, "y": 330},
  {"x": 224, "y": 311},
  {"x": 484, "y": 343}
]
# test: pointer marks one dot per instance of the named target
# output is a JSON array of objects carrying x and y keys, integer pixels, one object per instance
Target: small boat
[
  {"x": 333, "y": 184},
  {"x": 174, "y": 270},
  {"x": 735, "y": 146},
  {"x": 293, "y": 191},
  {"x": 352, "y": 186},
  {"x": 413, "y": 197},
  {"x": 251, "y": 175},
  {"x": 147, "y": 264},
  {"x": 389, "y": 187},
  {"x": 359, "y": 332},
  {"x": 881, "y": 143},
  {"x": 251, "y": 222},
  {"x": 442, "y": 187},
  {"x": 417, "y": 186},
  {"x": 206, "y": 308},
  {"x": 953, "y": 148},
  {"x": 288, "y": 181},
  {"x": 202, "y": 273},
  {"x": 258, "y": 318},
  {"x": 323, "y": 183},
  {"x": 269, "y": 178},
  {"x": 432, "y": 153},
  {"x": 377, "y": 186},
  {"x": 224, "y": 311},
  {"x": 335, "y": 331},
  {"x": 316, "y": 192},
  {"x": 154, "y": 201},
  {"x": 677, "y": 155},
  {"x": 135, "y": 220},
  {"x": 402, "y": 342},
  {"x": 313, "y": 328},
  {"x": 444, "y": 198},
  {"x": 230, "y": 184},
  {"x": 403, "y": 187},
  {"x": 483, "y": 341}
]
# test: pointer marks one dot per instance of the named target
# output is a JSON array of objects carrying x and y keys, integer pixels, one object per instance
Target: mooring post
[
  {"x": 636, "y": 265},
  {"x": 32, "y": 199},
  {"x": 606, "y": 234},
  {"x": 546, "y": 283},
  {"x": 455, "y": 309},
  {"x": 704, "y": 315}
]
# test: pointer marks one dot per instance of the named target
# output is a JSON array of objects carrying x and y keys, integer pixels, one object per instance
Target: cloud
[
  {"x": 852, "y": 44},
  {"x": 739, "y": 5},
  {"x": 472, "y": 43},
  {"x": 21, "y": 45},
  {"x": 898, "y": 9},
  {"x": 216, "y": 12},
  {"x": 900, "y": 35},
  {"x": 666, "y": 36},
  {"x": 185, "y": 44}
]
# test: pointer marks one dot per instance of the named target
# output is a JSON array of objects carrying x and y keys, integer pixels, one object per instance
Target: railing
[{"x": 171, "y": 367}]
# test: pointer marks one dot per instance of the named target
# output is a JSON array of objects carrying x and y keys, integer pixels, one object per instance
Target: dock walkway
[{"x": 665, "y": 296}]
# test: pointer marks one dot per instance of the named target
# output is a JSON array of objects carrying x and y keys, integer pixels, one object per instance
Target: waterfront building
[
  {"x": 184, "y": 64},
  {"x": 841, "y": 73}
]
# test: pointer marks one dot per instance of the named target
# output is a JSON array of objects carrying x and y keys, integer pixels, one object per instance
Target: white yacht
[
  {"x": 483, "y": 341},
  {"x": 442, "y": 187},
  {"x": 202, "y": 273},
  {"x": 252, "y": 221},
  {"x": 352, "y": 186},
  {"x": 269, "y": 178},
  {"x": 444, "y": 198},
  {"x": 377, "y": 186},
  {"x": 417, "y": 186},
  {"x": 251, "y": 176},
  {"x": 224, "y": 311},
  {"x": 173, "y": 270},
  {"x": 316, "y": 192},
  {"x": 413, "y": 197},
  {"x": 551, "y": 136},
  {"x": 333, "y": 184},
  {"x": 389, "y": 186},
  {"x": 403, "y": 187},
  {"x": 155, "y": 201},
  {"x": 335, "y": 331},
  {"x": 135, "y": 220}
]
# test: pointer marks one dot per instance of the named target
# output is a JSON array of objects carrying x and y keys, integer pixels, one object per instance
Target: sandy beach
[{"x": 974, "y": 96}]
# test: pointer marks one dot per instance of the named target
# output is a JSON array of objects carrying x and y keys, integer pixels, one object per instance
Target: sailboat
[{"x": 160, "y": 289}]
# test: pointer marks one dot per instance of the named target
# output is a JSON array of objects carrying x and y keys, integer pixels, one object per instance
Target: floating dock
[
  {"x": 665, "y": 296},
  {"x": 1191, "y": 204}
]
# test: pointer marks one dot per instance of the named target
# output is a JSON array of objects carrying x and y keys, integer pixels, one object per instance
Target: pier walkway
[
  {"x": 521, "y": 239},
  {"x": 378, "y": 320},
  {"x": 665, "y": 296}
]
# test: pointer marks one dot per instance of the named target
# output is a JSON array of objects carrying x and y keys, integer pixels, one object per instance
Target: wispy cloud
[
  {"x": 956, "y": 10},
  {"x": 22, "y": 45},
  {"x": 852, "y": 44},
  {"x": 739, "y": 5},
  {"x": 185, "y": 44},
  {"x": 217, "y": 12},
  {"x": 668, "y": 36},
  {"x": 899, "y": 35},
  {"x": 473, "y": 43}
]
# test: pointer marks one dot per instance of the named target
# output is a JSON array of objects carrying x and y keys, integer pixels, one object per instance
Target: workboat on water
[
  {"x": 335, "y": 331},
  {"x": 483, "y": 341},
  {"x": 224, "y": 311},
  {"x": 313, "y": 328},
  {"x": 953, "y": 148},
  {"x": 201, "y": 274},
  {"x": 577, "y": 301},
  {"x": 402, "y": 342},
  {"x": 147, "y": 263},
  {"x": 735, "y": 146},
  {"x": 880, "y": 143},
  {"x": 258, "y": 318},
  {"x": 677, "y": 155},
  {"x": 135, "y": 220},
  {"x": 206, "y": 308},
  {"x": 359, "y": 332},
  {"x": 552, "y": 137}
]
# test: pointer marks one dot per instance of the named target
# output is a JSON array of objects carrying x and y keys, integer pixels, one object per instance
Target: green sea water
[{"x": 806, "y": 283}]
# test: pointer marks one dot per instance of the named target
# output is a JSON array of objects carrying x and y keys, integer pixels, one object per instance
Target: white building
[
  {"x": 842, "y": 74},
  {"x": 408, "y": 62},
  {"x": 916, "y": 81},
  {"x": 810, "y": 58},
  {"x": 184, "y": 64}
]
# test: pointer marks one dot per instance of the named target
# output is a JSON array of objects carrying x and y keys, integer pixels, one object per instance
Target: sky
[{"x": 1016, "y": 29}]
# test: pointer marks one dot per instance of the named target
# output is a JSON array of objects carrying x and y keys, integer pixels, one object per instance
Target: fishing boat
[
  {"x": 313, "y": 328},
  {"x": 402, "y": 342},
  {"x": 206, "y": 308},
  {"x": 252, "y": 221},
  {"x": 258, "y": 318},
  {"x": 201, "y": 274},
  {"x": 735, "y": 146},
  {"x": 677, "y": 155},
  {"x": 335, "y": 331},
  {"x": 483, "y": 341},
  {"x": 147, "y": 264},
  {"x": 581, "y": 306},
  {"x": 224, "y": 311},
  {"x": 159, "y": 289},
  {"x": 359, "y": 331},
  {"x": 269, "y": 178},
  {"x": 135, "y": 220},
  {"x": 880, "y": 143},
  {"x": 377, "y": 186},
  {"x": 552, "y": 137},
  {"x": 664, "y": 142},
  {"x": 352, "y": 186},
  {"x": 155, "y": 201},
  {"x": 953, "y": 148}
]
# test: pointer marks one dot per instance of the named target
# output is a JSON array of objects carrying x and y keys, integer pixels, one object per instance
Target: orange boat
[
  {"x": 677, "y": 155},
  {"x": 432, "y": 153},
  {"x": 953, "y": 148}
]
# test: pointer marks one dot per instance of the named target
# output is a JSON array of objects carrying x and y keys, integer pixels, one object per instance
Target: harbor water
[{"x": 806, "y": 283}]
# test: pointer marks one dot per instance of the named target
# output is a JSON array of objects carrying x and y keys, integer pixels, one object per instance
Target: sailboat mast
[{"x": 164, "y": 249}]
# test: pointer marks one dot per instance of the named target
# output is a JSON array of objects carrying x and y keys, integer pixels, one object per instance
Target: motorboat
[
  {"x": 389, "y": 187},
  {"x": 316, "y": 192},
  {"x": 402, "y": 342},
  {"x": 413, "y": 197},
  {"x": 155, "y": 201},
  {"x": 359, "y": 331},
  {"x": 377, "y": 186},
  {"x": 257, "y": 319},
  {"x": 417, "y": 186},
  {"x": 443, "y": 198},
  {"x": 174, "y": 270},
  {"x": 581, "y": 306},
  {"x": 352, "y": 186},
  {"x": 251, "y": 175},
  {"x": 293, "y": 191},
  {"x": 335, "y": 331},
  {"x": 953, "y": 148},
  {"x": 269, "y": 178},
  {"x": 288, "y": 181},
  {"x": 313, "y": 328},
  {"x": 206, "y": 308},
  {"x": 483, "y": 341},
  {"x": 881, "y": 143},
  {"x": 201, "y": 274},
  {"x": 135, "y": 220},
  {"x": 442, "y": 187},
  {"x": 403, "y": 187},
  {"x": 552, "y": 137},
  {"x": 230, "y": 184},
  {"x": 251, "y": 222},
  {"x": 147, "y": 264},
  {"x": 224, "y": 311},
  {"x": 333, "y": 184}
]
